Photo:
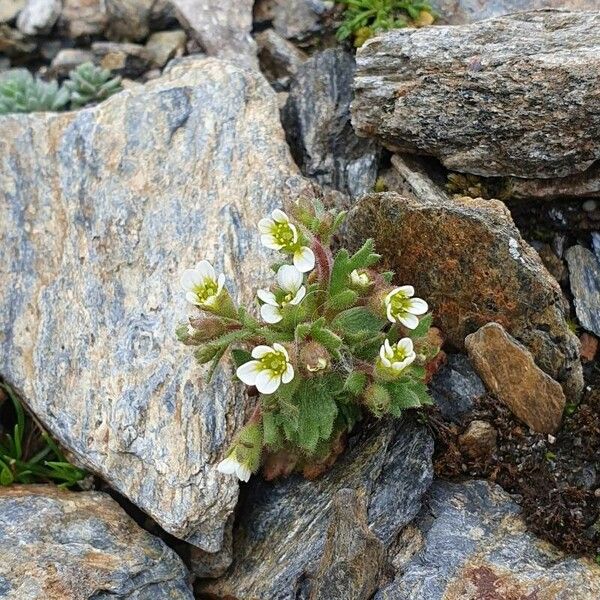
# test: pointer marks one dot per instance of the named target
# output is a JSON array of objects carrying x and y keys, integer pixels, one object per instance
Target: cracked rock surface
[{"x": 102, "y": 209}]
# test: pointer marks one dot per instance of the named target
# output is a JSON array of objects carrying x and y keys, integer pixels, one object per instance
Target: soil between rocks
[{"x": 556, "y": 482}]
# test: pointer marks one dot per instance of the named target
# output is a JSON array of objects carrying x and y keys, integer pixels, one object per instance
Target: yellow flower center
[
  {"x": 398, "y": 354},
  {"x": 275, "y": 362},
  {"x": 399, "y": 303},
  {"x": 207, "y": 289},
  {"x": 283, "y": 234}
]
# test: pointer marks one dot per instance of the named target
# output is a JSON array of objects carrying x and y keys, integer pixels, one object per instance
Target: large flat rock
[
  {"x": 283, "y": 550},
  {"x": 59, "y": 545},
  {"x": 101, "y": 210},
  {"x": 514, "y": 95},
  {"x": 467, "y": 259},
  {"x": 470, "y": 543}
]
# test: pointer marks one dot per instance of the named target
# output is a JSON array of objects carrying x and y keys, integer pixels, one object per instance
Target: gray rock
[
  {"x": 471, "y": 543},
  {"x": 316, "y": 118},
  {"x": 164, "y": 45},
  {"x": 512, "y": 95},
  {"x": 38, "y": 16},
  {"x": 584, "y": 278},
  {"x": 298, "y": 20},
  {"x": 59, "y": 545},
  {"x": 127, "y": 60},
  {"x": 279, "y": 59},
  {"x": 455, "y": 387},
  {"x": 102, "y": 209},
  {"x": 469, "y": 261},
  {"x": 221, "y": 28},
  {"x": 353, "y": 555},
  {"x": 460, "y": 12},
  {"x": 9, "y": 9},
  {"x": 281, "y": 533},
  {"x": 68, "y": 59},
  {"x": 13, "y": 43},
  {"x": 128, "y": 20},
  {"x": 596, "y": 243}
]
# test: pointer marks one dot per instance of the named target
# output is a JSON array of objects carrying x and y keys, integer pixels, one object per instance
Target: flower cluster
[{"x": 335, "y": 340}]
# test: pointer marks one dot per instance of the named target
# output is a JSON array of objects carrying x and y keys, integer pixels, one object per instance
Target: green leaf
[
  {"x": 271, "y": 430},
  {"x": 355, "y": 383},
  {"x": 344, "y": 264},
  {"x": 342, "y": 300},
  {"x": 329, "y": 340},
  {"x": 6, "y": 476},
  {"x": 356, "y": 321},
  {"x": 240, "y": 357},
  {"x": 423, "y": 327}
]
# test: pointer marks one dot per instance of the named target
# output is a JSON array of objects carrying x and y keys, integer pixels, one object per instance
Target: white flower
[
  {"x": 271, "y": 368},
  {"x": 289, "y": 280},
  {"x": 397, "y": 357},
  {"x": 278, "y": 233},
  {"x": 401, "y": 306},
  {"x": 201, "y": 284},
  {"x": 304, "y": 259},
  {"x": 230, "y": 466},
  {"x": 359, "y": 279}
]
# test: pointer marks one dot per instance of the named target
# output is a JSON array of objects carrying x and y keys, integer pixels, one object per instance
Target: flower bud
[
  {"x": 377, "y": 399},
  {"x": 314, "y": 358},
  {"x": 205, "y": 329}
]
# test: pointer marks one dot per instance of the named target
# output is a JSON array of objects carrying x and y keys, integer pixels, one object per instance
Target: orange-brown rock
[
  {"x": 478, "y": 440},
  {"x": 468, "y": 260},
  {"x": 510, "y": 373}
]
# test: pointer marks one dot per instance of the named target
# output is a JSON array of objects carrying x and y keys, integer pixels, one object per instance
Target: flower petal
[
  {"x": 248, "y": 372},
  {"x": 220, "y": 283},
  {"x": 288, "y": 374},
  {"x": 190, "y": 278},
  {"x": 304, "y": 259},
  {"x": 266, "y": 225},
  {"x": 267, "y": 297},
  {"x": 243, "y": 473},
  {"x": 279, "y": 348},
  {"x": 267, "y": 382},
  {"x": 390, "y": 315},
  {"x": 260, "y": 351},
  {"x": 289, "y": 278},
  {"x": 279, "y": 216},
  {"x": 406, "y": 344},
  {"x": 268, "y": 241},
  {"x": 270, "y": 314},
  {"x": 418, "y": 306},
  {"x": 228, "y": 466},
  {"x": 206, "y": 270},
  {"x": 408, "y": 320},
  {"x": 192, "y": 298},
  {"x": 299, "y": 295},
  {"x": 405, "y": 290}
]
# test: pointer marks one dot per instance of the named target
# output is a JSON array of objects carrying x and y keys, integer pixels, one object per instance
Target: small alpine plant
[{"x": 335, "y": 341}]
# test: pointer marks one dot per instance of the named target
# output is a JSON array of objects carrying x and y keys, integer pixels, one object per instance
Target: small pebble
[{"x": 589, "y": 205}]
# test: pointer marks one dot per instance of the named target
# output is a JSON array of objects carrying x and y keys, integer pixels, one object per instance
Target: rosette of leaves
[
  {"x": 365, "y": 18},
  {"x": 334, "y": 343},
  {"x": 89, "y": 84},
  {"x": 28, "y": 454},
  {"x": 20, "y": 92}
]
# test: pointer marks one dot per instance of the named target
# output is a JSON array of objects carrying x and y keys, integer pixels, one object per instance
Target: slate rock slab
[
  {"x": 469, "y": 543},
  {"x": 316, "y": 118},
  {"x": 60, "y": 545},
  {"x": 584, "y": 278},
  {"x": 102, "y": 209},
  {"x": 467, "y": 259},
  {"x": 280, "y": 537},
  {"x": 514, "y": 95}
]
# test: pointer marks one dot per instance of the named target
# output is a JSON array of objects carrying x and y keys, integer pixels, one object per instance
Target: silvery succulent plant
[{"x": 20, "y": 92}]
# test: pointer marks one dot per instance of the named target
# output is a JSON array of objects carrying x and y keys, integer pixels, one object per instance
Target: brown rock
[
  {"x": 9, "y": 9},
  {"x": 127, "y": 60},
  {"x": 81, "y": 18},
  {"x": 68, "y": 59},
  {"x": 589, "y": 346},
  {"x": 13, "y": 42},
  {"x": 510, "y": 373},
  {"x": 468, "y": 260},
  {"x": 165, "y": 45},
  {"x": 128, "y": 20},
  {"x": 479, "y": 440}
]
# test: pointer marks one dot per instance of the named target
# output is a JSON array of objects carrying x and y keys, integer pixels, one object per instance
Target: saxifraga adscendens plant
[{"x": 335, "y": 340}]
